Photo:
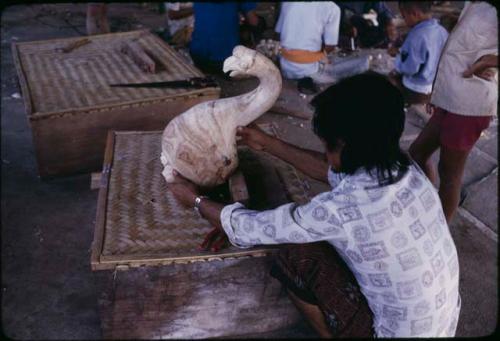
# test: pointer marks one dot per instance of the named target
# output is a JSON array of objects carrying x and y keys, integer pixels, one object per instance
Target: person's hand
[
  {"x": 480, "y": 69},
  {"x": 184, "y": 190},
  {"x": 253, "y": 137},
  {"x": 392, "y": 51},
  {"x": 215, "y": 240}
]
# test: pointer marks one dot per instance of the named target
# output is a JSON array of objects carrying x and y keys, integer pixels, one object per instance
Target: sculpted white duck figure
[{"x": 201, "y": 143}]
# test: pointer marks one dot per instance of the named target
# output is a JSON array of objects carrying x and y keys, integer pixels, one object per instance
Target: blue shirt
[
  {"x": 419, "y": 56},
  {"x": 216, "y": 29}
]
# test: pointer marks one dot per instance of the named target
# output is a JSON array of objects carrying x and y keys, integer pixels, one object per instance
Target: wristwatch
[{"x": 197, "y": 203}]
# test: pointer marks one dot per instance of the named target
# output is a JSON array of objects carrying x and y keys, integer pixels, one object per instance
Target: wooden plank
[
  {"x": 139, "y": 56},
  {"x": 238, "y": 188},
  {"x": 193, "y": 301},
  {"x": 73, "y": 45},
  {"x": 102, "y": 202},
  {"x": 95, "y": 180}
]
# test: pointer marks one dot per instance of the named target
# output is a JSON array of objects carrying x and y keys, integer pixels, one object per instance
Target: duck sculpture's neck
[
  {"x": 248, "y": 107},
  {"x": 201, "y": 143}
]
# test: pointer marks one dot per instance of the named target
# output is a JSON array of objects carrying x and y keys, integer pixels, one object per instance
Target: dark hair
[
  {"x": 423, "y": 6},
  {"x": 367, "y": 113}
]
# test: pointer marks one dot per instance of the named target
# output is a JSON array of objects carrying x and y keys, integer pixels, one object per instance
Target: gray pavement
[{"x": 47, "y": 227}]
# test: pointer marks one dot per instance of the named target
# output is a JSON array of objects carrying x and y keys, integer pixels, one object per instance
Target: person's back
[
  {"x": 306, "y": 26},
  {"x": 396, "y": 241},
  {"x": 419, "y": 55},
  {"x": 216, "y": 30}
]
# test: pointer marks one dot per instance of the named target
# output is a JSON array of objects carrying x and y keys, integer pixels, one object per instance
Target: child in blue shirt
[{"x": 417, "y": 61}]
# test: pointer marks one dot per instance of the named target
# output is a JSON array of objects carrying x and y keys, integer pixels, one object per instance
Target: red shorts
[{"x": 458, "y": 132}]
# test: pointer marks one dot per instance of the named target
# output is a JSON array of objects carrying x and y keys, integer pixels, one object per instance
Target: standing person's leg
[
  {"x": 103, "y": 19},
  {"x": 451, "y": 169},
  {"x": 427, "y": 142},
  {"x": 93, "y": 10},
  {"x": 459, "y": 134}
]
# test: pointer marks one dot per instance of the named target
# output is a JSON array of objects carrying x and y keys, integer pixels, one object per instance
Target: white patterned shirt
[{"x": 394, "y": 238}]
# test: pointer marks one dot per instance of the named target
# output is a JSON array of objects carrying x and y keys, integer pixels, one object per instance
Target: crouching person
[
  {"x": 371, "y": 257},
  {"x": 417, "y": 60}
]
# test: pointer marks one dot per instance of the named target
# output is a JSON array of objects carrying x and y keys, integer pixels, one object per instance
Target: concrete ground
[{"x": 47, "y": 227}]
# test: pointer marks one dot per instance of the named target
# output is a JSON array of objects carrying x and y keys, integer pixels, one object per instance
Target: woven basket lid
[
  {"x": 55, "y": 82},
  {"x": 140, "y": 222}
]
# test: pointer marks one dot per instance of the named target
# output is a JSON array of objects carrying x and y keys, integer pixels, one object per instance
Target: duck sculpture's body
[{"x": 201, "y": 143}]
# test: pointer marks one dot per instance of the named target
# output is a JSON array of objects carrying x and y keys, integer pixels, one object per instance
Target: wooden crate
[
  {"x": 70, "y": 105},
  {"x": 152, "y": 280}
]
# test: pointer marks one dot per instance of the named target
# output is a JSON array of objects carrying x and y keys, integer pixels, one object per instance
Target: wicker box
[
  {"x": 70, "y": 105},
  {"x": 152, "y": 280}
]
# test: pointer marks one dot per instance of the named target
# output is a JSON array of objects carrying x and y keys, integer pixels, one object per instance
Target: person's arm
[
  {"x": 481, "y": 66},
  {"x": 311, "y": 163},
  {"x": 332, "y": 27},
  {"x": 288, "y": 223}
]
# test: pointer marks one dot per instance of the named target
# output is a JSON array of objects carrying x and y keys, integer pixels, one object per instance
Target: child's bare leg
[
  {"x": 424, "y": 146},
  {"x": 313, "y": 315},
  {"x": 451, "y": 169},
  {"x": 92, "y": 18},
  {"x": 103, "y": 19}
]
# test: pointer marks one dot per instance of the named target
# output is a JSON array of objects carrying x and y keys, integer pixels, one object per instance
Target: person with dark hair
[
  {"x": 417, "y": 60},
  {"x": 371, "y": 257}
]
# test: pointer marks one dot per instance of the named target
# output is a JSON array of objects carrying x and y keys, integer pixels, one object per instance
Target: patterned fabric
[
  {"x": 316, "y": 274},
  {"x": 394, "y": 238}
]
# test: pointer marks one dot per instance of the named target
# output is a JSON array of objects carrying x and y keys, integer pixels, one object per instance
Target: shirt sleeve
[
  {"x": 332, "y": 26},
  {"x": 246, "y": 7},
  {"x": 412, "y": 55},
  {"x": 288, "y": 223}
]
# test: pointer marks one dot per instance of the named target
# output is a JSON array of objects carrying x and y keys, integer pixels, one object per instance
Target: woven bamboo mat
[
  {"x": 79, "y": 79},
  {"x": 144, "y": 221}
]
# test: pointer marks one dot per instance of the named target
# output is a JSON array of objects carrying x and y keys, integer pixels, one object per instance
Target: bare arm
[
  {"x": 481, "y": 65},
  {"x": 309, "y": 162}
]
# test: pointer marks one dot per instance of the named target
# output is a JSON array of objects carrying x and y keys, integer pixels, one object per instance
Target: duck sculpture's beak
[{"x": 231, "y": 64}]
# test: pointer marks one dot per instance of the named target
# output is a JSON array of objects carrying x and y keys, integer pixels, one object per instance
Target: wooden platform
[{"x": 151, "y": 278}]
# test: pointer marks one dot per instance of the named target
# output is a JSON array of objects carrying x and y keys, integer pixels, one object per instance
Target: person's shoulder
[{"x": 332, "y": 6}]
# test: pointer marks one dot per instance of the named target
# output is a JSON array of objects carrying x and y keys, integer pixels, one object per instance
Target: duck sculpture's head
[{"x": 243, "y": 62}]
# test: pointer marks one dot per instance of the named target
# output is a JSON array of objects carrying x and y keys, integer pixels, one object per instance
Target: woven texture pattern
[
  {"x": 143, "y": 217},
  {"x": 79, "y": 79}
]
